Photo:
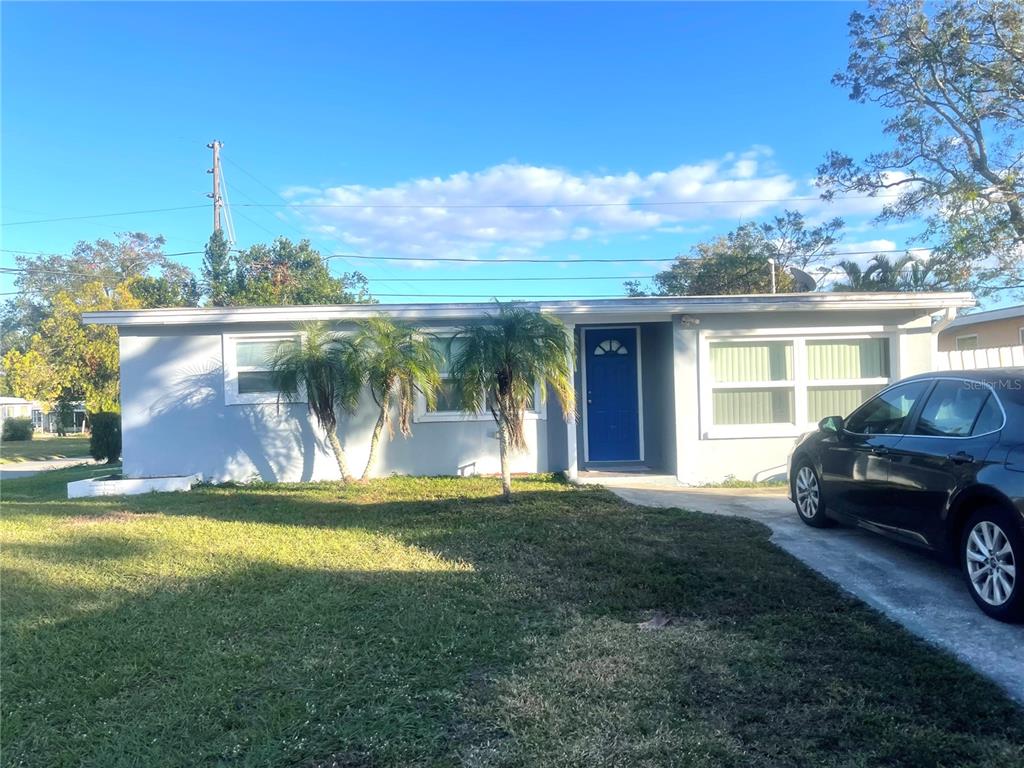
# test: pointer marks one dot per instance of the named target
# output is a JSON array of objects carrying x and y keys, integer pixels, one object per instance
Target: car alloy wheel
[
  {"x": 807, "y": 492},
  {"x": 991, "y": 563}
]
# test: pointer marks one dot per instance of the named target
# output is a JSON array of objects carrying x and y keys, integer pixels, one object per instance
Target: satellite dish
[{"x": 804, "y": 282}]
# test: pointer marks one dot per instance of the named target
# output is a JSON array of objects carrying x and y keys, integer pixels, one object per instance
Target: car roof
[{"x": 987, "y": 375}]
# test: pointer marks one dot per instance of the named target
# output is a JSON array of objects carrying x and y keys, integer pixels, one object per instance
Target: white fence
[{"x": 971, "y": 359}]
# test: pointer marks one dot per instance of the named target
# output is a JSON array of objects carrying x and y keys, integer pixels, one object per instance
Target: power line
[
  {"x": 285, "y": 203},
  {"x": 103, "y": 215},
  {"x": 623, "y": 204},
  {"x": 466, "y": 260},
  {"x": 504, "y": 279}
]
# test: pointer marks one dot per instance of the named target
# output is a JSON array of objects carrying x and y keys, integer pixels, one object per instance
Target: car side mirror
[{"x": 833, "y": 424}]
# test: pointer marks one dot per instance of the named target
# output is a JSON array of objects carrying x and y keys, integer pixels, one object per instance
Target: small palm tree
[
  {"x": 397, "y": 362},
  {"x": 323, "y": 367},
  {"x": 498, "y": 363}
]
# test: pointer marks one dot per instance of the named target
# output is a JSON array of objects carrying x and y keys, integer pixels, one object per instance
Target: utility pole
[{"x": 215, "y": 195}]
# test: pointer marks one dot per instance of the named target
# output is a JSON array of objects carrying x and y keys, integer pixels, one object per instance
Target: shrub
[
  {"x": 17, "y": 428},
  {"x": 105, "y": 440},
  {"x": 65, "y": 413}
]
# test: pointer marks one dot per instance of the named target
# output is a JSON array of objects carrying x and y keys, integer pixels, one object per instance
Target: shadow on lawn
[{"x": 530, "y": 654}]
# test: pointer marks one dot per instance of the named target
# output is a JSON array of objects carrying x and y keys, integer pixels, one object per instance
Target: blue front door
[{"x": 613, "y": 410}]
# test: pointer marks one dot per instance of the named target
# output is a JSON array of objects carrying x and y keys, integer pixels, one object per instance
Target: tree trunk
[
  {"x": 339, "y": 455},
  {"x": 375, "y": 438},
  {"x": 506, "y": 472}
]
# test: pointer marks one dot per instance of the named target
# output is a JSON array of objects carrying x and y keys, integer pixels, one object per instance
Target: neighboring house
[
  {"x": 15, "y": 408},
  {"x": 697, "y": 387},
  {"x": 984, "y": 330},
  {"x": 48, "y": 421},
  {"x": 42, "y": 420}
]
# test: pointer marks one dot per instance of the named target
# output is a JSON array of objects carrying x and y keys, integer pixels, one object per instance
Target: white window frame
[
  {"x": 232, "y": 369},
  {"x": 967, "y": 336},
  {"x": 800, "y": 383},
  {"x": 1020, "y": 335},
  {"x": 422, "y": 415}
]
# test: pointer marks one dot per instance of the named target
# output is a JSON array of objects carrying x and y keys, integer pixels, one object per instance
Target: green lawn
[
  {"x": 424, "y": 623},
  {"x": 49, "y": 447}
]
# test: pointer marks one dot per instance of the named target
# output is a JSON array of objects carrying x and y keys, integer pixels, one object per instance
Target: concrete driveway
[
  {"x": 927, "y": 597},
  {"x": 29, "y": 468}
]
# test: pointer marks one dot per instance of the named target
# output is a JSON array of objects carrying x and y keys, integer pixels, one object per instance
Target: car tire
[
  {"x": 807, "y": 496},
  {"x": 991, "y": 556}
]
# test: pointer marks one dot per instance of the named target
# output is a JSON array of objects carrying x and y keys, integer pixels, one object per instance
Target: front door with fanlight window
[{"x": 612, "y": 394}]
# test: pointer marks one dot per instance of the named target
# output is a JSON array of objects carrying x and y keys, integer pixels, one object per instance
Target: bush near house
[
  {"x": 17, "y": 428},
  {"x": 105, "y": 440}
]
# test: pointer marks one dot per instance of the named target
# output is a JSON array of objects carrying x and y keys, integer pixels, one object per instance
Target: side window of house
[
  {"x": 964, "y": 343},
  {"x": 953, "y": 408},
  {"x": 449, "y": 395},
  {"x": 248, "y": 368},
  {"x": 887, "y": 413}
]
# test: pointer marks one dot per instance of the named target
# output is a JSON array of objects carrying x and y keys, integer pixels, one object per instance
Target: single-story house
[
  {"x": 984, "y": 330},
  {"x": 701, "y": 388},
  {"x": 15, "y": 408}
]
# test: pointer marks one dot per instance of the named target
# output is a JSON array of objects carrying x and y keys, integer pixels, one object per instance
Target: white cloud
[
  {"x": 521, "y": 208},
  {"x": 472, "y": 214}
]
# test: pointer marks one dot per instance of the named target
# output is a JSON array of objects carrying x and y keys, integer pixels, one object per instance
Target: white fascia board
[{"x": 637, "y": 308}]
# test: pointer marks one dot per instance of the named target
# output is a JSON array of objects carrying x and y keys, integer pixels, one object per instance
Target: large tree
[
  {"x": 741, "y": 261},
  {"x": 950, "y": 76},
  {"x": 67, "y": 360},
  {"x": 291, "y": 273},
  {"x": 131, "y": 261}
]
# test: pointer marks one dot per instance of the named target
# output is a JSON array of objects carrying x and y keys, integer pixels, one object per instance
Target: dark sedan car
[{"x": 936, "y": 460}]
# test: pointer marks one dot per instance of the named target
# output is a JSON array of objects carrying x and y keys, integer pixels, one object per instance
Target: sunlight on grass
[{"x": 423, "y": 622}]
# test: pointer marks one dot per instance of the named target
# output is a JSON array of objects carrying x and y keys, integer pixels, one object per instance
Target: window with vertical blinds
[
  {"x": 793, "y": 381},
  {"x": 855, "y": 368},
  {"x": 753, "y": 382}
]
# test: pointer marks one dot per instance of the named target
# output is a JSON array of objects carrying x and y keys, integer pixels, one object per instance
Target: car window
[
  {"x": 952, "y": 408},
  {"x": 991, "y": 417},
  {"x": 887, "y": 413}
]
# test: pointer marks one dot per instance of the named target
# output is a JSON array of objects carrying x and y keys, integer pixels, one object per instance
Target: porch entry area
[{"x": 626, "y": 396}]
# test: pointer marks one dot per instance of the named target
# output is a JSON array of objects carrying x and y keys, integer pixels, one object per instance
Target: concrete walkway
[
  {"x": 29, "y": 468},
  {"x": 926, "y": 596}
]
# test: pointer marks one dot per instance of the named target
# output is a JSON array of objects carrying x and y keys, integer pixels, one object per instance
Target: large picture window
[
  {"x": 247, "y": 362},
  {"x": 780, "y": 386}
]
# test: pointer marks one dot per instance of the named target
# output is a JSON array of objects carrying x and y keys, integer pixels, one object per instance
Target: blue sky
[{"x": 108, "y": 108}]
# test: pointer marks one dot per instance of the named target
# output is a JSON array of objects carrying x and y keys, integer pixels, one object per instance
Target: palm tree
[
  {"x": 884, "y": 274},
  {"x": 323, "y": 367},
  {"x": 397, "y": 361},
  {"x": 498, "y": 363}
]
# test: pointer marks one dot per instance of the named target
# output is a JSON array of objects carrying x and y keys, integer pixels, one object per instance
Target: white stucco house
[{"x": 696, "y": 387}]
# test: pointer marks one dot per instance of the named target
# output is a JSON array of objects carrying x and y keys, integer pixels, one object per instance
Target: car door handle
[
  {"x": 961, "y": 457},
  {"x": 880, "y": 450}
]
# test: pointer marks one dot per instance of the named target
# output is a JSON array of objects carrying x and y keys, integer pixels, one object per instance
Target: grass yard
[
  {"x": 49, "y": 447},
  {"x": 421, "y": 622}
]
